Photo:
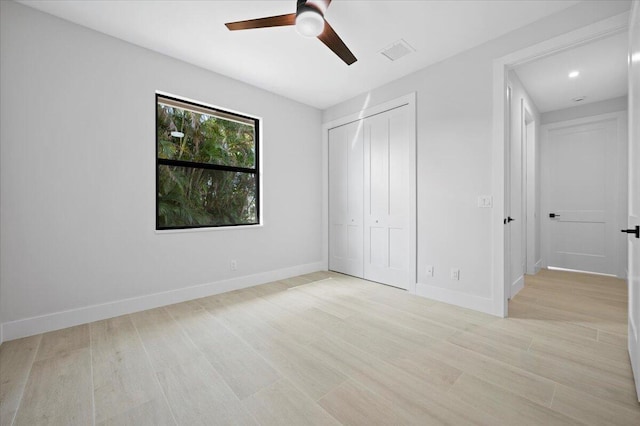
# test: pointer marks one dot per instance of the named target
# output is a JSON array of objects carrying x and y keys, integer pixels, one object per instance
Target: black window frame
[{"x": 208, "y": 166}]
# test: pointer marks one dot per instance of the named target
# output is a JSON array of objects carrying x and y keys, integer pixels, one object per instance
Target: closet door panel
[
  {"x": 345, "y": 199},
  {"x": 386, "y": 198}
]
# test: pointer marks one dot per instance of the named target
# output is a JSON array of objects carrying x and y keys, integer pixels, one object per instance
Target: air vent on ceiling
[{"x": 397, "y": 50}]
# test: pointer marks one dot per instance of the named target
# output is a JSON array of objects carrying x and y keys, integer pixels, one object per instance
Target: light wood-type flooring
[{"x": 327, "y": 349}]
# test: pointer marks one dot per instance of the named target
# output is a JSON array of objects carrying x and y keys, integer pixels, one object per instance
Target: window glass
[{"x": 207, "y": 167}]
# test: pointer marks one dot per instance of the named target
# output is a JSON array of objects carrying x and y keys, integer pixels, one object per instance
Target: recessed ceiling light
[{"x": 574, "y": 74}]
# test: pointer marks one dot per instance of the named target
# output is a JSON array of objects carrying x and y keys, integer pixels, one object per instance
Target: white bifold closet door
[
  {"x": 369, "y": 199},
  {"x": 346, "y": 180}
]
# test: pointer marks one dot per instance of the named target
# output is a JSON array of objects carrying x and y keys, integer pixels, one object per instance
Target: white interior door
[
  {"x": 579, "y": 189},
  {"x": 531, "y": 202},
  {"x": 516, "y": 218},
  {"x": 634, "y": 194},
  {"x": 387, "y": 197},
  {"x": 346, "y": 178}
]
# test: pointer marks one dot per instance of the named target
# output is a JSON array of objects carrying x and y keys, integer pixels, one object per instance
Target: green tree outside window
[{"x": 207, "y": 167}]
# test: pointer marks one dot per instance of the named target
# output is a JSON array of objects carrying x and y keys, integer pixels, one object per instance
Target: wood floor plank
[
  {"x": 151, "y": 413},
  {"x": 619, "y": 340},
  {"x": 362, "y": 306},
  {"x": 59, "y": 390},
  {"x": 401, "y": 388},
  {"x": 298, "y": 301},
  {"x": 16, "y": 359},
  {"x": 504, "y": 405},
  {"x": 295, "y": 281},
  {"x": 353, "y": 404},
  {"x": 198, "y": 395},
  {"x": 532, "y": 327},
  {"x": 534, "y": 309},
  {"x": 163, "y": 339},
  {"x": 601, "y": 355},
  {"x": 531, "y": 386},
  {"x": 245, "y": 371},
  {"x": 503, "y": 335},
  {"x": 283, "y": 404},
  {"x": 593, "y": 381},
  {"x": 431, "y": 370},
  {"x": 123, "y": 379},
  {"x": 307, "y": 372},
  {"x": 62, "y": 341},
  {"x": 113, "y": 336},
  {"x": 122, "y": 383},
  {"x": 581, "y": 307},
  {"x": 289, "y": 356},
  {"x": 592, "y": 410},
  {"x": 371, "y": 339}
]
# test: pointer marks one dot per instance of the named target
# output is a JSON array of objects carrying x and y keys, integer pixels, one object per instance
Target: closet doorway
[{"x": 372, "y": 194}]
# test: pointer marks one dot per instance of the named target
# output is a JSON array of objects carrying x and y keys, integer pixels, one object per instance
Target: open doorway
[
  {"x": 565, "y": 303},
  {"x": 566, "y": 170},
  {"x": 506, "y": 269}
]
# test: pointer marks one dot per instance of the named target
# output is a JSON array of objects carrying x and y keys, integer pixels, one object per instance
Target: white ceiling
[
  {"x": 281, "y": 61},
  {"x": 603, "y": 74}
]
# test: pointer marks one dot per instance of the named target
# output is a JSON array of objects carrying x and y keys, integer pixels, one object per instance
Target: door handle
[
  {"x": 635, "y": 231},
  {"x": 552, "y": 215},
  {"x": 510, "y": 219}
]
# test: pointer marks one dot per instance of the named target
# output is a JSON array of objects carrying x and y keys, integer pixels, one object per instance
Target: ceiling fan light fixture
[{"x": 309, "y": 23}]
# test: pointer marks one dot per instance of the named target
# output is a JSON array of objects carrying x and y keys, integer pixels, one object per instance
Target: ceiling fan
[{"x": 309, "y": 21}]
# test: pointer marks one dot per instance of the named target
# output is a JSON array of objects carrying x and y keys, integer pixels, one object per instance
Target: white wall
[
  {"x": 454, "y": 101},
  {"x": 588, "y": 110},
  {"x": 78, "y": 180}
]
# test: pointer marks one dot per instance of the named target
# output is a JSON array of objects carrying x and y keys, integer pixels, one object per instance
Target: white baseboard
[
  {"x": 58, "y": 320},
  {"x": 456, "y": 298},
  {"x": 516, "y": 286}
]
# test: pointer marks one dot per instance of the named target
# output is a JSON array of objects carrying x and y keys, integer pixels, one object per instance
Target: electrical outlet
[
  {"x": 455, "y": 274},
  {"x": 429, "y": 270},
  {"x": 233, "y": 265},
  {"x": 485, "y": 201}
]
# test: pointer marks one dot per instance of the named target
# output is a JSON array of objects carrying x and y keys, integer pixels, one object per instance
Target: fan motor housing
[{"x": 304, "y": 6}]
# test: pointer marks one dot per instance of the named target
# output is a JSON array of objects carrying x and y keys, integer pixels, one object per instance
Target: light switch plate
[{"x": 455, "y": 274}]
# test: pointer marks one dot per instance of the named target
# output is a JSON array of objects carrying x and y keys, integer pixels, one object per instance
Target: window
[{"x": 206, "y": 166}]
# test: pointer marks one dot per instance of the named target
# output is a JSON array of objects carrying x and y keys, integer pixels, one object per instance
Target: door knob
[
  {"x": 635, "y": 231},
  {"x": 552, "y": 215}
]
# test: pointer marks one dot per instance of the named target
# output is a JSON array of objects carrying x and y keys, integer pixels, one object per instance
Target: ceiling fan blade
[
  {"x": 271, "y": 21},
  {"x": 335, "y": 43}
]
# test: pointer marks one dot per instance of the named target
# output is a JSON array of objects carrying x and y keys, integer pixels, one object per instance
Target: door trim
[
  {"x": 410, "y": 101},
  {"x": 601, "y": 29}
]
